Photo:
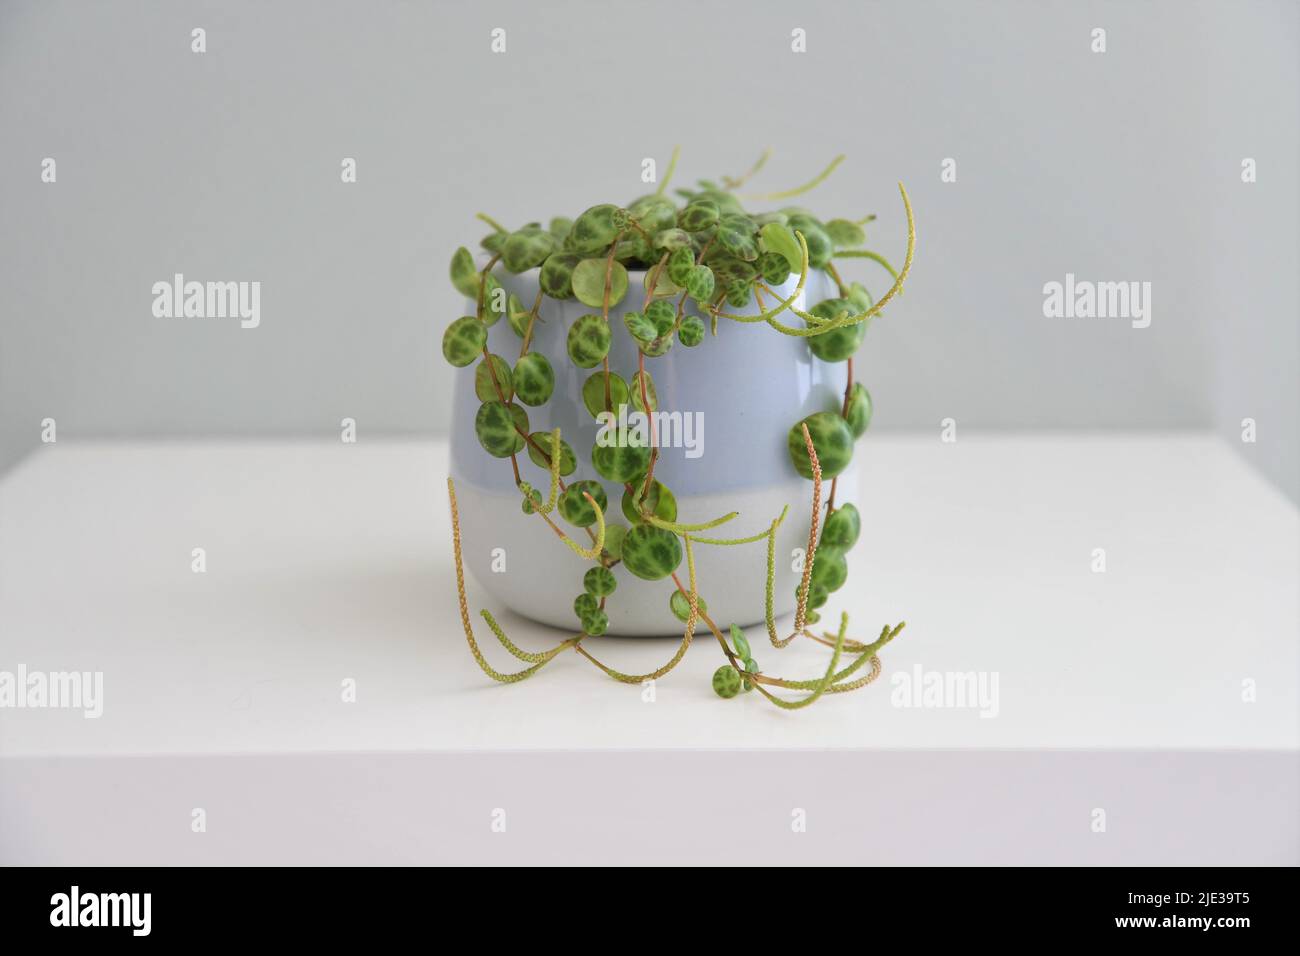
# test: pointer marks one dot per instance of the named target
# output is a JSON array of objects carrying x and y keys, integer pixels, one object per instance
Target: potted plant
[{"x": 638, "y": 378}]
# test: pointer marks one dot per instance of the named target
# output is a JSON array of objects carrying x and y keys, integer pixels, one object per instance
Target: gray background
[{"x": 225, "y": 166}]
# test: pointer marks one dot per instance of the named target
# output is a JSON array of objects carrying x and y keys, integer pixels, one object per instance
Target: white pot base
[{"x": 540, "y": 576}]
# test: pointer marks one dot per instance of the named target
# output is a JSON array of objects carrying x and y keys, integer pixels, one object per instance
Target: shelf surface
[{"x": 329, "y": 562}]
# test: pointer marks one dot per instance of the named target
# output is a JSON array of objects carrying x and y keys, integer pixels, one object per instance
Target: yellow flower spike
[
  {"x": 677, "y": 528},
  {"x": 785, "y": 303},
  {"x": 672, "y": 168},
  {"x": 555, "y": 477},
  {"x": 598, "y": 545},
  {"x": 464, "y": 604},
  {"x": 519, "y": 652},
  {"x": 868, "y": 254},
  {"x": 799, "y": 190},
  {"x": 894, "y": 289},
  {"x": 821, "y": 685},
  {"x": 801, "y": 606},
  {"x": 749, "y": 540}
]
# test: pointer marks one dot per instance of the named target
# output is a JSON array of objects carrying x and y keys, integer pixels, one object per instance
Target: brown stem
[
  {"x": 839, "y": 283},
  {"x": 604, "y": 311},
  {"x": 653, "y": 281},
  {"x": 709, "y": 621},
  {"x": 482, "y": 285},
  {"x": 654, "y": 446},
  {"x": 532, "y": 317},
  {"x": 801, "y": 605},
  {"x": 609, "y": 277}
]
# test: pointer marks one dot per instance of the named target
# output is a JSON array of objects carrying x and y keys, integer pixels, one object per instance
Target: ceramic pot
[{"x": 741, "y": 392}]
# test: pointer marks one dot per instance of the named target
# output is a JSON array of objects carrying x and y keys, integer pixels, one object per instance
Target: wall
[{"x": 1114, "y": 166}]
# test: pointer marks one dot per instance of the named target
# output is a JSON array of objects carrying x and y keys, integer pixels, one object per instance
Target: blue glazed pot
[{"x": 743, "y": 390}]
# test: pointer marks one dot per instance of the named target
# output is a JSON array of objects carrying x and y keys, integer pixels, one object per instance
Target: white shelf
[{"x": 328, "y": 561}]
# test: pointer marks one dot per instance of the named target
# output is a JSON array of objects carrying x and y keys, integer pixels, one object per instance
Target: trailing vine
[{"x": 712, "y": 256}]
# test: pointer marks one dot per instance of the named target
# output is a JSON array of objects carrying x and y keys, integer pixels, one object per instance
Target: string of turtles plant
[{"x": 710, "y": 255}]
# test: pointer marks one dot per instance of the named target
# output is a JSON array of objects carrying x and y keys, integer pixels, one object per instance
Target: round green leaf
[
  {"x": 494, "y": 366},
  {"x": 739, "y": 293},
  {"x": 673, "y": 239},
  {"x": 728, "y": 269},
  {"x": 576, "y": 509},
  {"x": 700, "y": 283},
  {"x": 588, "y": 341},
  {"x": 593, "y": 393},
  {"x": 534, "y": 379},
  {"x": 830, "y": 437},
  {"x": 726, "y": 681},
  {"x": 860, "y": 298},
  {"x": 656, "y": 347},
  {"x": 820, "y": 247},
  {"x": 463, "y": 341},
  {"x": 614, "y": 535},
  {"x": 556, "y": 276},
  {"x": 843, "y": 525},
  {"x": 837, "y": 344},
  {"x": 497, "y": 426},
  {"x": 663, "y": 285},
  {"x": 830, "y": 569},
  {"x": 517, "y": 315},
  {"x": 542, "y": 458},
  {"x": 659, "y": 502},
  {"x": 635, "y": 389},
  {"x": 662, "y": 315},
  {"x": 495, "y": 300},
  {"x": 599, "y": 582},
  {"x": 527, "y": 504},
  {"x": 632, "y": 248},
  {"x": 736, "y": 235},
  {"x": 584, "y": 604},
  {"x": 527, "y": 248},
  {"x": 738, "y": 641},
  {"x": 680, "y": 265},
  {"x": 594, "y": 230},
  {"x": 589, "y": 282},
  {"x": 622, "y": 459},
  {"x": 859, "y": 411},
  {"x": 651, "y": 553},
  {"x": 727, "y": 203},
  {"x": 778, "y": 238},
  {"x": 691, "y": 332},
  {"x": 640, "y": 327},
  {"x": 698, "y": 216},
  {"x": 653, "y": 213},
  {"x": 773, "y": 267},
  {"x": 681, "y": 606},
  {"x": 845, "y": 234},
  {"x": 463, "y": 274}
]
